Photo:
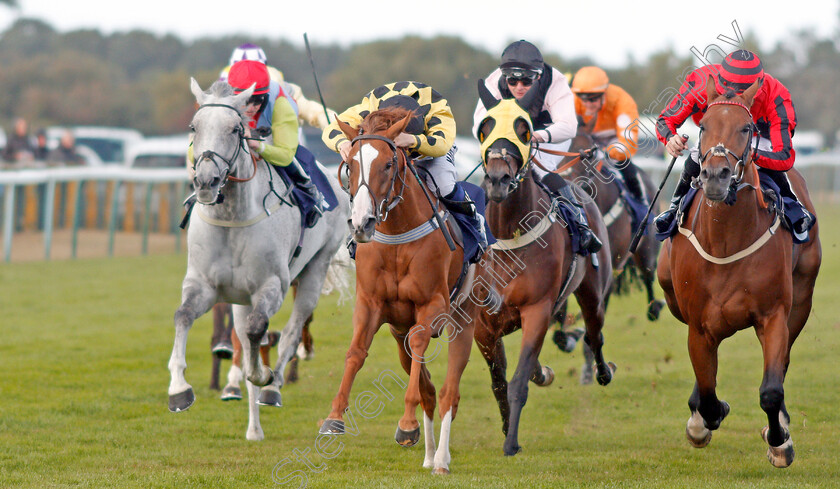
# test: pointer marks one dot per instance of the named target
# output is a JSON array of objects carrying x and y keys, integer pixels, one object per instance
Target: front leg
[
  {"x": 707, "y": 411},
  {"x": 265, "y": 303},
  {"x": 197, "y": 298},
  {"x": 366, "y": 322}
]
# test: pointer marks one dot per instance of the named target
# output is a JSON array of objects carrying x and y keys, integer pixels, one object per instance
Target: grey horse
[{"x": 241, "y": 243}]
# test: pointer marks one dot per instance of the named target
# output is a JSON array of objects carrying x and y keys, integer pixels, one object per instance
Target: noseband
[
  {"x": 721, "y": 150},
  {"x": 519, "y": 174},
  {"x": 210, "y": 155},
  {"x": 388, "y": 203}
]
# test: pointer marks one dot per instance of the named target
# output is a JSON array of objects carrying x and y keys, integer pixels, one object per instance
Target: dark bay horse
[
  {"x": 406, "y": 284},
  {"x": 729, "y": 270},
  {"x": 532, "y": 265},
  {"x": 601, "y": 186}
]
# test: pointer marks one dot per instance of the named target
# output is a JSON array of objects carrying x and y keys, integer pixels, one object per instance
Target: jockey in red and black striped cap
[{"x": 772, "y": 111}]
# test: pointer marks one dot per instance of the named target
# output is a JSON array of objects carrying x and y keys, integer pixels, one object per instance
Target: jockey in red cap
[
  {"x": 269, "y": 111},
  {"x": 772, "y": 111}
]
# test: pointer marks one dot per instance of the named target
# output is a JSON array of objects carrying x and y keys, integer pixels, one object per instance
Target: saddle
[{"x": 789, "y": 210}]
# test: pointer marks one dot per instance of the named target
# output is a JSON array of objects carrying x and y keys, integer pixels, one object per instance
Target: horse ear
[
  {"x": 197, "y": 91},
  {"x": 487, "y": 98},
  {"x": 348, "y": 130},
  {"x": 749, "y": 93},
  {"x": 398, "y": 127},
  {"x": 527, "y": 102},
  {"x": 711, "y": 90},
  {"x": 241, "y": 99}
]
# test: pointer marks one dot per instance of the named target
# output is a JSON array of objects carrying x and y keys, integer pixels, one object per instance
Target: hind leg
[
  {"x": 592, "y": 308},
  {"x": 450, "y": 394},
  {"x": 774, "y": 336}
]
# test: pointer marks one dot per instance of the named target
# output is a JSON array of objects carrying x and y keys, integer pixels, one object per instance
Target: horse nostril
[
  {"x": 505, "y": 180},
  {"x": 725, "y": 173},
  {"x": 215, "y": 181},
  {"x": 704, "y": 174}
]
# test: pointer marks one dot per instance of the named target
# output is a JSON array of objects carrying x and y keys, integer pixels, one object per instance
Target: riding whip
[
  {"x": 638, "y": 236},
  {"x": 315, "y": 75}
]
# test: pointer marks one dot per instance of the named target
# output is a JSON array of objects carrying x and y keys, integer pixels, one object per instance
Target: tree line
[{"x": 141, "y": 80}]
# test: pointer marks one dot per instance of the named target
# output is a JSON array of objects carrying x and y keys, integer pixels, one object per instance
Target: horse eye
[
  {"x": 745, "y": 129},
  {"x": 388, "y": 165},
  {"x": 192, "y": 128}
]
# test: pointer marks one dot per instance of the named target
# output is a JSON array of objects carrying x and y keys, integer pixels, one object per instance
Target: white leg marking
[
  {"x": 442, "y": 455},
  {"x": 429, "y": 430}
]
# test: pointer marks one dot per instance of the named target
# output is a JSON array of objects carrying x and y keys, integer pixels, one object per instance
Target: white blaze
[{"x": 362, "y": 203}]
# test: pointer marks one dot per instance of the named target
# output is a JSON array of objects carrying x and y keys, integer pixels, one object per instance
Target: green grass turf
[{"x": 83, "y": 398}]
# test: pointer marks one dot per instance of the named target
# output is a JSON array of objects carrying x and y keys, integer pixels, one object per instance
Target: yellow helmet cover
[{"x": 506, "y": 114}]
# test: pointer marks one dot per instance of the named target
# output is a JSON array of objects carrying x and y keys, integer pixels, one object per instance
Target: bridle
[
  {"x": 721, "y": 150},
  {"x": 386, "y": 205},
  {"x": 210, "y": 155}
]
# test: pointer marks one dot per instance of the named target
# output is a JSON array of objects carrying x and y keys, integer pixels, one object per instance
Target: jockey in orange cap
[{"x": 607, "y": 112}]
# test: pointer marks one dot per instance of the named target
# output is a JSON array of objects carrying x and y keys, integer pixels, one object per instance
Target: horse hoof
[
  {"x": 440, "y": 471},
  {"x": 654, "y": 309},
  {"x": 407, "y": 438},
  {"x": 548, "y": 376},
  {"x": 781, "y": 456},
  {"x": 181, "y": 401},
  {"x": 696, "y": 432},
  {"x": 567, "y": 342},
  {"x": 223, "y": 350},
  {"x": 606, "y": 376},
  {"x": 510, "y": 452},
  {"x": 701, "y": 440},
  {"x": 332, "y": 427},
  {"x": 270, "y": 397},
  {"x": 231, "y": 393}
]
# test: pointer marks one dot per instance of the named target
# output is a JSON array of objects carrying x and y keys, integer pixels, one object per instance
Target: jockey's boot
[
  {"x": 633, "y": 181},
  {"x": 301, "y": 180},
  {"x": 459, "y": 202},
  {"x": 663, "y": 221},
  {"x": 803, "y": 225},
  {"x": 588, "y": 241}
]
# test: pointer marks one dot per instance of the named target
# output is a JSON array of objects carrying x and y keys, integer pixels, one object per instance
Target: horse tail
[{"x": 338, "y": 275}]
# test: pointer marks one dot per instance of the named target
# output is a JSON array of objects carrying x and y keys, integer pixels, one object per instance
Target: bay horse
[
  {"x": 242, "y": 244},
  {"x": 729, "y": 270},
  {"x": 532, "y": 265},
  {"x": 403, "y": 282},
  {"x": 600, "y": 184}
]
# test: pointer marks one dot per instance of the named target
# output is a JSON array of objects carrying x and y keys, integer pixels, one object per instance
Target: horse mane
[{"x": 382, "y": 119}]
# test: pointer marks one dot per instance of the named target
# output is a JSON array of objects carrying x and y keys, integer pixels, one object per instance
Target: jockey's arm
[
  {"x": 560, "y": 103},
  {"x": 780, "y": 155},
  {"x": 439, "y": 136},
  {"x": 332, "y": 135},
  {"x": 310, "y": 111},
  {"x": 626, "y": 132},
  {"x": 284, "y": 134}
]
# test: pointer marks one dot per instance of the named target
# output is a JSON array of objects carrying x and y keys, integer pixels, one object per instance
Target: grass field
[{"x": 83, "y": 400}]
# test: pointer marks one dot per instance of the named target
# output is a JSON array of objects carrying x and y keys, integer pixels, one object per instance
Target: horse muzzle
[
  {"x": 497, "y": 187},
  {"x": 716, "y": 183},
  {"x": 363, "y": 233}
]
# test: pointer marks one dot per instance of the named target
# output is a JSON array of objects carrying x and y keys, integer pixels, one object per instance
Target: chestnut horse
[
  {"x": 532, "y": 265},
  {"x": 605, "y": 191},
  {"x": 406, "y": 285},
  {"x": 729, "y": 270}
]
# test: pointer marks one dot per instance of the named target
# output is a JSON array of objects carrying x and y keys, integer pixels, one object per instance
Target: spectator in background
[
  {"x": 65, "y": 153},
  {"x": 40, "y": 152},
  {"x": 18, "y": 146}
]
